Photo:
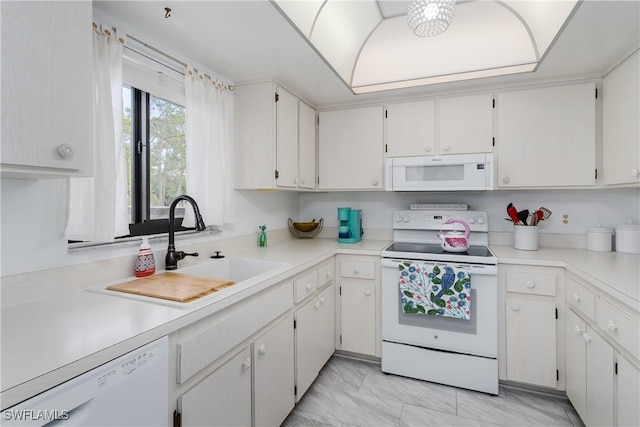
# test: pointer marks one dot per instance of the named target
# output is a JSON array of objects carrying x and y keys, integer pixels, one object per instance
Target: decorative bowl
[{"x": 306, "y": 226}]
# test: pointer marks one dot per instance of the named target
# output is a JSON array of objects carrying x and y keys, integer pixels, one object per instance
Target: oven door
[{"x": 478, "y": 335}]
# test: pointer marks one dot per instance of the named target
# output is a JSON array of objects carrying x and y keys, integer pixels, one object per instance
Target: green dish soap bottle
[{"x": 262, "y": 240}]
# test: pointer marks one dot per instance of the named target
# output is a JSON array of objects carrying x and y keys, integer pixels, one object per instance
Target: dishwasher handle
[{"x": 388, "y": 263}]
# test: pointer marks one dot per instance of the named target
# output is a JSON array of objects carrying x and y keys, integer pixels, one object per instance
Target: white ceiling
[{"x": 247, "y": 41}]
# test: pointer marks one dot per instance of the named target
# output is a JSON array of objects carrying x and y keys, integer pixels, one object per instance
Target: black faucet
[{"x": 173, "y": 256}]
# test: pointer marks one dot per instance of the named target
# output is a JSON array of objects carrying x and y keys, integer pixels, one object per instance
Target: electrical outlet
[{"x": 565, "y": 218}]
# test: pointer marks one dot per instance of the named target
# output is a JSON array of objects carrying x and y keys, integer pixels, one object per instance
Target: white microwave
[{"x": 440, "y": 173}]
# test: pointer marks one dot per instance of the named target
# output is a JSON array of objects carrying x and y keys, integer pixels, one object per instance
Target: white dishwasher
[{"x": 132, "y": 390}]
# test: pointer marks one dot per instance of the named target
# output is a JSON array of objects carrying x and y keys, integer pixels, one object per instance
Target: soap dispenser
[
  {"x": 262, "y": 239},
  {"x": 145, "y": 263}
]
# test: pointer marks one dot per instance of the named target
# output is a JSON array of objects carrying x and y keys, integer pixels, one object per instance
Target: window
[{"x": 153, "y": 135}]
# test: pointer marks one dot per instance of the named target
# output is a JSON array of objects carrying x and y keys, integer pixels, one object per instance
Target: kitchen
[{"x": 26, "y": 231}]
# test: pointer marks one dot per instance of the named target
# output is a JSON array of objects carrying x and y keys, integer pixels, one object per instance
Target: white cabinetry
[
  {"x": 359, "y": 304},
  {"x": 274, "y": 139},
  {"x": 457, "y": 125},
  {"x": 532, "y": 332},
  {"x": 47, "y": 89},
  {"x": 350, "y": 149},
  {"x": 620, "y": 126},
  {"x": 235, "y": 369},
  {"x": 315, "y": 324},
  {"x": 546, "y": 137},
  {"x": 411, "y": 129},
  {"x": 602, "y": 379}
]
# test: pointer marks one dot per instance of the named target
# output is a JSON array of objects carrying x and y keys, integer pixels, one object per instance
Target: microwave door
[{"x": 438, "y": 174}]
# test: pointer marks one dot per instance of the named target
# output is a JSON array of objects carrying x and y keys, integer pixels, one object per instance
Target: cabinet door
[
  {"x": 47, "y": 87},
  {"x": 410, "y": 129},
  {"x": 358, "y": 316},
  {"x": 627, "y": 393},
  {"x": 531, "y": 341},
  {"x": 576, "y": 362},
  {"x": 620, "y": 127},
  {"x": 350, "y": 146},
  {"x": 600, "y": 374},
  {"x": 465, "y": 124},
  {"x": 223, "y": 398},
  {"x": 326, "y": 324},
  {"x": 306, "y": 146},
  {"x": 307, "y": 358},
  {"x": 273, "y": 396},
  {"x": 286, "y": 139},
  {"x": 546, "y": 137}
]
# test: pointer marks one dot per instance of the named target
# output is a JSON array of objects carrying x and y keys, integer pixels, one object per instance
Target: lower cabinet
[
  {"x": 532, "y": 348},
  {"x": 602, "y": 375},
  {"x": 315, "y": 337},
  {"x": 359, "y": 292},
  {"x": 223, "y": 398}
]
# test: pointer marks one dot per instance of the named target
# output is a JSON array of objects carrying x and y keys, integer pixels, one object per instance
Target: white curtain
[
  {"x": 209, "y": 124},
  {"x": 98, "y": 205}
]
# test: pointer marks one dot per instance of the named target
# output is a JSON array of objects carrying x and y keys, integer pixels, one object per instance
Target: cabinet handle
[
  {"x": 246, "y": 364},
  {"x": 578, "y": 330},
  {"x": 586, "y": 337},
  {"x": 356, "y": 271},
  {"x": 374, "y": 182},
  {"x": 367, "y": 292},
  {"x": 328, "y": 274},
  {"x": 576, "y": 297},
  {"x": 322, "y": 300},
  {"x": 446, "y": 148},
  {"x": 262, "y": 349},
  {"x": 302, "y": 181},
  {"x": 295, "y": 181},
  {"x": 427, "y": 149},
  {"x": 505, "y": 180},
  {"x": 530, "y": 284},
  {"x": 66, "y": 151},
  {"x": 515, "y": 307},
  {"x": 316, "y": 305},
  {"x": 308, "y": 286},
  {"x": 611, "y": 325},
  {"x": 635, "y": 173}
]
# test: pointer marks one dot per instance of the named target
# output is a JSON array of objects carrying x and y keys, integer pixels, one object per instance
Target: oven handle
[{"x": 475, "y": 268}]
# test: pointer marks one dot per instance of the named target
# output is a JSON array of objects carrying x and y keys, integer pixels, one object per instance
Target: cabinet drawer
[
  {"x": 358, "y": 269},
  {"x": 581, "y": 298},
  {"x": 618, "y": 326},
  {"x": 325, "y": 274},
  {"x": 206, "y": 347},
  {"x": 531, "y": 283},
  {"x": 305, "y": 285}
]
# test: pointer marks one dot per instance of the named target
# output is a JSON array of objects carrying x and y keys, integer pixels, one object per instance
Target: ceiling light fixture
[{"x": 428, "y": 18}]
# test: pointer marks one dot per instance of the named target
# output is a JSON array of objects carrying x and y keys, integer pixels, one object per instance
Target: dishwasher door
[{"x": 132, "y": 390}]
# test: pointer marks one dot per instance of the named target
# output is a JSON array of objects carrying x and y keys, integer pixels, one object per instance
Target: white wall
[
  {"x": 31, "y": 237},
  {"x": 586, "y": 208}
]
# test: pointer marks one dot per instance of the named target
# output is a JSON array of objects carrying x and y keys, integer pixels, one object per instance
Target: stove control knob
[
  {"x": 397, "y": 218},
  {"x": 480, "y": 220},
  {"x": 406, "y": 218},
  {"x": 472, "y": 220}
]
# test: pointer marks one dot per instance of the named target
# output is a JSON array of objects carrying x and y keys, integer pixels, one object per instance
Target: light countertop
[{"x": 51, "y": 340}]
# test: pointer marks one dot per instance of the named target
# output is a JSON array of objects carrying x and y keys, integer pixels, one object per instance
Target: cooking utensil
[
  {"x": 513, "y": 213},
  {"x": 533, "y": 218},
  {"x": 546, "y": 213},
  {"x": 523, "y": 215}
]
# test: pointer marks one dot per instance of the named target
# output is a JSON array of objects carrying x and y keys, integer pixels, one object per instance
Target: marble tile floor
[{"x": 351, "y": 392}]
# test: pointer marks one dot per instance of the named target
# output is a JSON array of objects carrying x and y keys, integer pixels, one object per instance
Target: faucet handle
[{"x": 182, "y": 254}]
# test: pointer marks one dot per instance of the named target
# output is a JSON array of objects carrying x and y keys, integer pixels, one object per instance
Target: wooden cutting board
[{"x": 172, "y": 286}]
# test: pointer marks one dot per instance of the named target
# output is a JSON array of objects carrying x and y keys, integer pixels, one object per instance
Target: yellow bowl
[{"x": 305, "y": 226}]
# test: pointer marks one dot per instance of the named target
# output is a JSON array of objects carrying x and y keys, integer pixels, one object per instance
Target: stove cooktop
[{"x": 432, "y": 248}]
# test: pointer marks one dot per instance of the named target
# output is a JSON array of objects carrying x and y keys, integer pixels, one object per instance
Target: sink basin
[
  {"x": 242, "y": 271},
  {"x": 236, "y": 269}
]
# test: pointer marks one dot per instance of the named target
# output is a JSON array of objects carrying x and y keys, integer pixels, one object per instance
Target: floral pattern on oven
[{"x": 435, "y": 290}]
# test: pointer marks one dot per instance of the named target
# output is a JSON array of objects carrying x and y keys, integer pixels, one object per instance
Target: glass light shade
[{"x": 428, "y": 18}]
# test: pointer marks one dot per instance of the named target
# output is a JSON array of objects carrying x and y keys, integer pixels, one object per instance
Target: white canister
[
  {"x": 599, "y": 239},
  {"x": 628, "y": 238},
  {"x": 525, "y": 237}
]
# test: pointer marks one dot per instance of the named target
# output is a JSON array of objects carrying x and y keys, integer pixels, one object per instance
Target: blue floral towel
[{"x": 433, "y": 290}]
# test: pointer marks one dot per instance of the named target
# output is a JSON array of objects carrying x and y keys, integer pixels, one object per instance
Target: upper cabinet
[
  {"x": 350, "y": 149},
  {"x": 47, "y": 89},
  {"x": 620, "y": 127},
  {"x": 547, "y": 137},
  {"x": 274, "y": 139},
  {"x": 458, "y": 125}
]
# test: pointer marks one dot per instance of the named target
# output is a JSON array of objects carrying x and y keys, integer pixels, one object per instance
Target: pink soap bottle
[{"x": 145, "y": 263}]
